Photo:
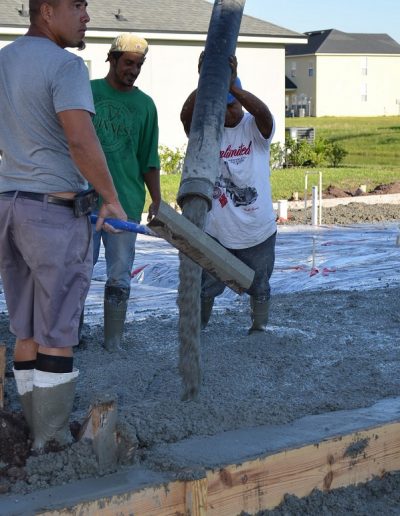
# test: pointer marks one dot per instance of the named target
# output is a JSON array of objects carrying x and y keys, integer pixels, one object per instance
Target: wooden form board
[
  {"x": 201, "y": 248},
  {"x": 2, "y": 373},
  {"x": 261, "y": 483}
]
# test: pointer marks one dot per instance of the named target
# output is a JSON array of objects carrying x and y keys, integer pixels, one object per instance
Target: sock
[
  {"x": 27, "y": 364},
  {"x": 54, "y": 364}
]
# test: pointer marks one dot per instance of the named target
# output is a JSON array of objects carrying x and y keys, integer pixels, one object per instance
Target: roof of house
[
  {"x": 332, "y": 41},
  {"x": 163, "y": 16}
]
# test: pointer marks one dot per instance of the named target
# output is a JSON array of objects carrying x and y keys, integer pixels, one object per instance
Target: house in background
[
  {"x": 342, "y": 74},
  {"x": 290, "y": 92},
  {"x": 176, "y": 31}
]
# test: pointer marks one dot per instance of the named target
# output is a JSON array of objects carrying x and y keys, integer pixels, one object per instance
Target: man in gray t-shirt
[{"x": 49, "y": 152}]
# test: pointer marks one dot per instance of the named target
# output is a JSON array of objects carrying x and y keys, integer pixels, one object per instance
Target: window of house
[
  {"x": 293, "y": 69},
  {"x": 364, "y": 66},
  {"x": 310, "y": 70}
]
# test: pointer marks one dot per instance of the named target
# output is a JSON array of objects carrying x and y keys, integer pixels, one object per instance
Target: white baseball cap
[{"x": 128, "y": 42}]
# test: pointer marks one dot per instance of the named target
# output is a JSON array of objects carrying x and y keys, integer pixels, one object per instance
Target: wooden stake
[{"x": 100, "y": 428}]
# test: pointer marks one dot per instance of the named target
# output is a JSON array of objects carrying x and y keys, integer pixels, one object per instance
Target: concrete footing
[{"x": 244, "y": 470}]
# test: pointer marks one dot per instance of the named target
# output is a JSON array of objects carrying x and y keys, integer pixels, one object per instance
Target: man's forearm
[
  {"x": 86, "y": 152},
  {"x": 257, "y": 108},
  {"x": 187, "y": 112},
  {"x": 152, "y": 181},
  {"x": 90, "y": 160}
]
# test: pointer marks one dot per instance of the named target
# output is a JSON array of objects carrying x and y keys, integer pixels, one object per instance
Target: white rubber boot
[
  {"x": 52, "y": 401},
  {"x": 24, "y": 381}
]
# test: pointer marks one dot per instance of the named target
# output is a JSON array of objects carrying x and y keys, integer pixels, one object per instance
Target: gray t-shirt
[{"x": 39, "y": 79}]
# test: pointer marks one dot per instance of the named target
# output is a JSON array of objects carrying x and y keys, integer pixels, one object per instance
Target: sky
[{"x": 378, "y": 16}]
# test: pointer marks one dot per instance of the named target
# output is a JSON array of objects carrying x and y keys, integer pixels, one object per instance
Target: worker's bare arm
[
  {"x": 255, "y": 107},
  {"x": 251, "y": 103},
  {"x": 187, "y": 112},
  {"x": 152, "y": 180},
  {"x": 88, "y": 156},
  {"x": 86, "y": 151}
]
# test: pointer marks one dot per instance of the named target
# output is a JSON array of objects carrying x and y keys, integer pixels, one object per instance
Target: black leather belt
[{"x": 53, "y": 199}]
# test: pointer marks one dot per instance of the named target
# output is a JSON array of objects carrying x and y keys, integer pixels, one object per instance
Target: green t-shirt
[{"x": 127, "y": 126}]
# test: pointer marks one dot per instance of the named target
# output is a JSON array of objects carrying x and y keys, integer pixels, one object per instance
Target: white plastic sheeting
[{"x": 307, "y": 258}]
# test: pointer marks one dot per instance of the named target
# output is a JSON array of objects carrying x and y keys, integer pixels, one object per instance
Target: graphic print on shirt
[
  {"x": 241, "y": 195},
  {"x": 113, "y": 124},
  {"x": 242, "y": 214}
]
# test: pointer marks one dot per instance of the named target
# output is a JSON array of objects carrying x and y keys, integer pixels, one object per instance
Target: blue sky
[{"x": 347, "y": 15}]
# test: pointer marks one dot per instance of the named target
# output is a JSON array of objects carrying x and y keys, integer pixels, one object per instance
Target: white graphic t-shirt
[{"x": 242, "y": 214}]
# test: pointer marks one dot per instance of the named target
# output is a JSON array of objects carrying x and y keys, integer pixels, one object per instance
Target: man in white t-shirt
[{"x": 242, "y": 218}]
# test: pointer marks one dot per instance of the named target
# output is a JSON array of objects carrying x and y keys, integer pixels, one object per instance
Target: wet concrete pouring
[{"x": 324, "y": 352}]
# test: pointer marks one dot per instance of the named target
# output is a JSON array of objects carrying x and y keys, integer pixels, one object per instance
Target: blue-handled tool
[{"x": 126, "y": 226}]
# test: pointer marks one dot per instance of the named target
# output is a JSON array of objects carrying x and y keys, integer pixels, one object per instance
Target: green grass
[
  {"x": 373, "y": 146},
  {"x": 370, "y": 142}
]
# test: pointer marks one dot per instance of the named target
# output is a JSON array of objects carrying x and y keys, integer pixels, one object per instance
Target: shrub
[
  {"x": 298, "y": 153},
  {"x": 320, "y": 146},
  {"x": 335, "y": 154},
  {"x": 277, "y": 155},
  {"x": 171, "y": 160},
  {"x": 301, "y": 153}
]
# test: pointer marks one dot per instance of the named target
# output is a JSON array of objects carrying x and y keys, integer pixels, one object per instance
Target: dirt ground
[
  {"x": 351, "y": 213},
  {"x": 324, "y": 352},
  {"x": 389, "y": 188},
  {"x": 354, "y": 212}
]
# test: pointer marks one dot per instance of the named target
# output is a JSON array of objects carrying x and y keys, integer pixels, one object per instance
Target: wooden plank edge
[{"x": 261, "y": 483}]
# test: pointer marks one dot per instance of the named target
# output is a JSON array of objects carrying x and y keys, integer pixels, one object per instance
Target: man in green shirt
[{"x": 127, "y": 126}]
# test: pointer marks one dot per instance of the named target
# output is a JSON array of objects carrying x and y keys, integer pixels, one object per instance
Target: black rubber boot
[
  {"x": 259, "y": 315},
  {"x": 115, "y": 306},
  {"x": 207, "y": 304},
  {"x": 52, "y": 400}
]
